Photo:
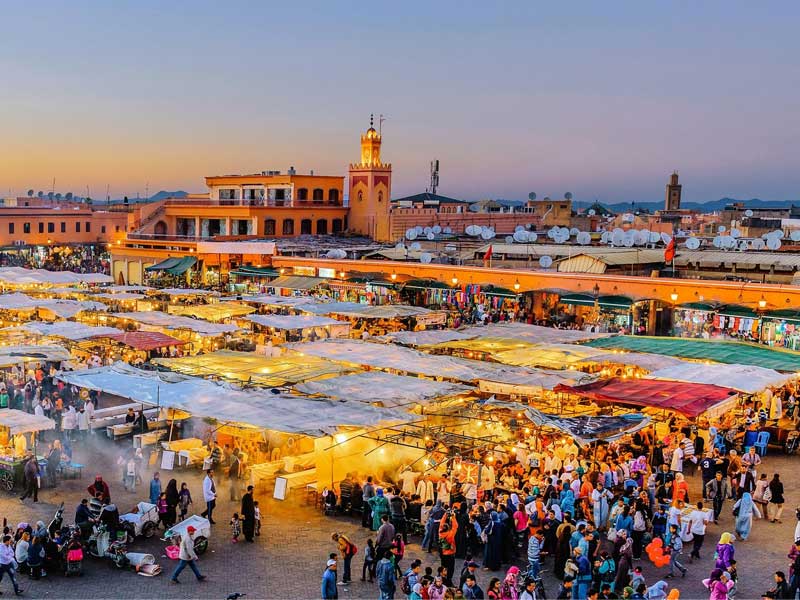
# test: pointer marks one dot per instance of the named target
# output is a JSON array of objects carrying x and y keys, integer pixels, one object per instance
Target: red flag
[
  {"x": 669, "y": 251},
  {"x": 488, "y": 255}
]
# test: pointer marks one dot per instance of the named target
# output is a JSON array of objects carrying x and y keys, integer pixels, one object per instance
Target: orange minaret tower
[{"x": 370, "y": 189}]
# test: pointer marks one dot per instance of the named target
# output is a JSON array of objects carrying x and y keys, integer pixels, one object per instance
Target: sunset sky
[{"x": 602, "y": 99}]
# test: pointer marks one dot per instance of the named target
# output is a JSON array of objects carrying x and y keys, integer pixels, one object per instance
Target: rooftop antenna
[
  {"x": 108, "y": 193},
  {"x": 434, "y": 175},
  {"x": 53, "y": 189},
  {"x": 147, "y": 190},
  {"x": 381, "y": 119}
]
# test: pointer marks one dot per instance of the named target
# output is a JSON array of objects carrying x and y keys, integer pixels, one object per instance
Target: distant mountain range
[{"x": 706, "y": 207}]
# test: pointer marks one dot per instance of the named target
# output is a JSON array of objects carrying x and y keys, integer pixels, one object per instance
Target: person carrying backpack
[
  {"x": 410, "y": 578},
  {"x": 348, "y": 550}
]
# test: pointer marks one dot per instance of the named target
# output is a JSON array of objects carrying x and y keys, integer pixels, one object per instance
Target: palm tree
[
  {"x": 30, "y": 193},
  {"x": 40, "y": 194},
  {"x": 58, "y": 196},
  {"x": 68, "y": 197},
  {"x": 50, "y": 196}
]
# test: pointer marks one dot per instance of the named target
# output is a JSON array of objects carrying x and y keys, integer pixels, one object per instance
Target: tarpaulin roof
[
  {"x": 534, "y": 334},
  {"x": 228, "y": 403},
  {"x": 745, "y": 378},
  {"x": 690, "y": 399},
  {"x": 714, "y": 350},
  {"x": 115, "y": 289},
  {"x": 273, "y": 300},
  {"x": 218, "y": 311},
  {"x": 185, "y": 292},
  {"x": 18, "y": 421},
  {"x": 174, "y": 265},
  {"x": 384, "y": 388},
  {"x": 253, "y": 368},
  {"x": 119, "y": 296},
  {"x": 69, "y": 330},
  {"x": 643, "y": 360},
  {"x": 484, "y": 344},
  {"x": 296, "y": 282},
  {"x": 366, "y": 311},
  {"x": 20, "y": 276},
  {"x": 585, "y": 429},
  {"x": 62, "y": 308},
  {"x": 294, "y": 321},
  {"x": 145, "y": 340},
  {"x": 11, "y": 355},
  {"x": 427, "y": 337},
  {"x": 156, "y": 318}
]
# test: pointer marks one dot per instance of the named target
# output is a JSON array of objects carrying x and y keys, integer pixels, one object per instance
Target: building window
[
  {"x": 322, "y": 226},
  {"x": 77, "y": 226},
  {"x": 88, "y": 226},
  {"x": 360, "y": 196},
  {"x": 116, "y": 228},
  {"x": 336, "y": 226},
  {"x": 380, "y": 196},
  {"x": 228, "y": 194},
  {"x": 26, "y": 228},
  {"x": 288, "y": 227},
  {"x": 11, "y": 227},
  {"x": 305, "y": 227},
  {"x": 51, "y": 227},
  {"x": 319, "y": 194},
  {"x": 63, "y": 227},
  {"x": 41, "y": 227},
  {"x": 302, "y": 194},
  {"x": 269, "y": 227},
  {"x": 102, "y": 228},
  {"x": 333, "y": 195},
  {"x": 280, "y": 194}
]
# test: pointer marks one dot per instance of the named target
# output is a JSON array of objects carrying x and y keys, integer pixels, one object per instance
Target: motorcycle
[
  {"x": 55, "y": 525},
  {"x": 101, "y": 545}
]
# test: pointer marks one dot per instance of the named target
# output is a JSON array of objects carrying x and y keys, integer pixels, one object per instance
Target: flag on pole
[
  {"x": 488, "y": 255},
  {"x": 669, "y": 251}
]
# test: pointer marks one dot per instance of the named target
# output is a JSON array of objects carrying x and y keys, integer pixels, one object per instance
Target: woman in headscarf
[
  {"x": 508, "y": 589},
  {"x": 719, "y": 584},
  {"x": 725, "y": 552},
  {"x": 173, "y": 498},
  {"x": 776, "y": 501},
  {"x": 462, "y": 517},
  {"x": 624, "y": 563},
  {"x": 568, "y": 501},
  {"x": 600, "y": 499},
  {"x": 380, "y": 506},
  {"x": 563, "y": 549},
  {"x": 744, "y": 509},
  {"x": 431, "y": 539},
  {"x": 657, "y": 591},
  {"x": 492, "y": 551}
]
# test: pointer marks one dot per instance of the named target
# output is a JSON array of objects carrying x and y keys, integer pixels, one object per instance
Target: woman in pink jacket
[{"x": 719, "y": 584}]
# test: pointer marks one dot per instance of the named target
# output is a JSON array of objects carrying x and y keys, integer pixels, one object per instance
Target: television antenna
[
  {"x": 434, "y": 175},
  {"x": 381, "y": 119}
]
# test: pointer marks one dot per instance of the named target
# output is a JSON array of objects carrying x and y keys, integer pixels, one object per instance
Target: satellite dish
[
  {"x": 627, "y": 241},
  {"x": 748, "y": 213},
  {"x": 436, "y": 229},
  {"x": 532, "y": 236},
  {"x": 400, "y": 246},
  {"x": 520, "y": 236},
  {"x": 617, "y": 237},
  {"x": 722, "y": 229},
  {"x": 795, "y": 235},
  {"x": 509, "y": 239},
  {"x": 591, "y": 212},
  {"x": 487, "y": 234},
  {"x": 416, "y": 247},
  {"x": 553, "y": 232},
  {"x": 735, "y": 233},
  {"x": 666, "y": 238},
  {"x": 728, "y": 242},
  {"x": 604, "y": 237},
  {"x": 545, "y": 262},
  {"x": 448, "y": 230},
  {"x": 431, "y": 236},
  {"x": 692, "y": 243},
  {"x": 568, "y": 196},
  {"x": 642, "y": 237},
  {"x": 773, "y": 243},
  {"x": 778, "y": 234},
  {"x": 654, "y": 237},
  {"x": 743, "y": 245},
  {"x": 330, "y": 254},
  {"x": 717, "y": 241},
  {"x": 419, "y": 229},
  {"x": 519, "y": 228},
  {"x": 618, "y": 230},
  {"x": 757, "y": 244},
  {"x": 411, "y": 234},
  {"x": 574, "y": 231},
  {"x": 425, "y": 257},
  {"x": 532, "y": 196},
  {"x": 427, "y": 230},
  {"x": 584, "y": 238}
]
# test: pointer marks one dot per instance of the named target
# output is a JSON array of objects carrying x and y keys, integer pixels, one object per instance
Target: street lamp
[
  {"x": 516, "y": 285},
  {"x": 341, "y": 274},
  {"x": 454, "y": 280},
  {"x": 674, "y": 295},
  {"x": 394, "y": 276},
  {"x": 762, "y": 304}
]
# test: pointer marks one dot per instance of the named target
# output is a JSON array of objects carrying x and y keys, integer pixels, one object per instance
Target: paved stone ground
[{"x": 288, "y": 559}]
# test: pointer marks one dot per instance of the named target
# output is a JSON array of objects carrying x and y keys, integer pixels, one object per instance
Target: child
[
  {"x": 258, "y": 518},
  {"x": 659, "y": 523},
  {"x": 369, "y": 561},
  {"x": 637, "y": 578},
  {"x": 675, "y": 545},
  {"x": 185, "y": 499},
  {"x": 236, "y": 528},
  {"x": 161, "y": 504},
  {"x": 734, "y": 577}
]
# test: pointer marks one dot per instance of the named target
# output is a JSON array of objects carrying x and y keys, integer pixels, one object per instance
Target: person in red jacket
[{"x": 447, "y": 544}]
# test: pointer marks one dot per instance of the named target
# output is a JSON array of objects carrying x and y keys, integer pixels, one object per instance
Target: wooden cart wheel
[
  {"x": 200, "y": 544},
  {"x": 148, "y": 529},
  {"x": 8, "y": 479}
]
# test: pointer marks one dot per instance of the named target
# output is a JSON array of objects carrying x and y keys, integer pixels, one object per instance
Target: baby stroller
[{"x": 73, "y": 557}]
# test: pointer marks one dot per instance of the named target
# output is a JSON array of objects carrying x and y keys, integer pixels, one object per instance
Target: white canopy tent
[
  {"x": 69, "y": 330},
  {"x": 384, "y": 388},
  {"x": 533, "y": 334},
  {"x": 744, "y": 378},
  {"x": 185, "y": 292},
  {"x": 116, "y": 289},
  {"x": 62, "y": 308},
  {"x": 428, "y": 337},
  {"x": 120, "y": 296},
  {"x": 278, "y": 301},
  {"x": 228, "y": 403},
  {"x": 18, "y": 421},
  {"x": 287, "y": 322},
  {"x": 20, "y": 276},
  {"x": 367, "y": 311},
  {"x": 163, "y": 320},
  {"x": 13, "y": 355},
  {"x": 643, "y": 360}
]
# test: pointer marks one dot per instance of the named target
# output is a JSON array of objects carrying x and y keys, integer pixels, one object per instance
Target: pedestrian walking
[
  {"x": 249, "y": 516},
  {"x": 776, "y": 500},
  {"x": 329, "y": 590},
  {"x": 187, "y": 556},
  {"x": 8, "y": 563},
  {"x": 155, "y": 488},
  {"x": 209, "y": 495},
  {"x": 31, "y": 473},
  {"x": 698, "y": 520}
]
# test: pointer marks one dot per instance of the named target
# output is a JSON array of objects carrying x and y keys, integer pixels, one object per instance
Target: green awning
[
  {"x": 255, "y": 272},
  {"x": 426, "y": 284},
  {"x": 784, "y": 314},
  {"x": 698, "y": 306},
  {"x": 616, "y": 302},
  {"x": 174, "y": 265},
  {"x": 494, "y": 290},
  {"x": 711, "y": 350},
  {"x": 736, "y": 310}
]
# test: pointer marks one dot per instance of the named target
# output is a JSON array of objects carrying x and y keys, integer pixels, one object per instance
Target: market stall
[
  {"x": 214, "y": 312},
  {"x": 294, "y": 328},
  {"x": 781, "y": 328},
  {"x": 18, "y": 431},
  {"x": 748, "y": 379},
  {"x": 201, "y": 334},
  {"x": 693, "y": 319}
]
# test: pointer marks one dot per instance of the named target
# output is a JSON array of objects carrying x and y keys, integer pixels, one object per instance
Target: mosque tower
[{"x": 370, "y": 190}]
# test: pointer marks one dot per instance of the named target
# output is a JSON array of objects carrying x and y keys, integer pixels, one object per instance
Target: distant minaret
[
  {"x": 673, "y": 197},
  {"x": 370, "y": 190}
]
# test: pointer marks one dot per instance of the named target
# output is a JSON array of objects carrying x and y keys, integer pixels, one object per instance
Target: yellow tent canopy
[
  {"x": 486, "y": 345},
  {"x": 219, "y": 311}
]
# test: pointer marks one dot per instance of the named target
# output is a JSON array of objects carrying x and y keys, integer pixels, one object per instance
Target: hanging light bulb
[
  {"x": 454, "y": 280},
  {"x": 674, "y": 295},
  {"x": 516, "y": 285},
  {"x": 763, "y": 302}
]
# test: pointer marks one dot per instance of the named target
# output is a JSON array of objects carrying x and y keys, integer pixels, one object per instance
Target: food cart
[{"x": 18, "y": 440}]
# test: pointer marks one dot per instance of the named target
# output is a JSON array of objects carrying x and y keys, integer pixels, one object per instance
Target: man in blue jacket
[{"x": 329, "y": 582}]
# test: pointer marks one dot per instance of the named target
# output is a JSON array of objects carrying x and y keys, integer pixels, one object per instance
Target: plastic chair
[{"x": 761, "y": 442}]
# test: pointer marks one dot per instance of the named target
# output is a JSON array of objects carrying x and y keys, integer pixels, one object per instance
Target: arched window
[
  {"x": 305, "y": 226},
  {"x": 269, "y": 226},
  {"x": 336, "y": 226},
  {"x": 333, "y": 195},
  {"x": 160, "y": 228},
  {"x": 319, "y": 194},
  {"x": 322, "y": 226},
  {"x": 302, "y": 194},
  {"x": 360, "y": 196},
  {"x": 288, "y": 227},
  {"x": 380, "y": 196}
]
